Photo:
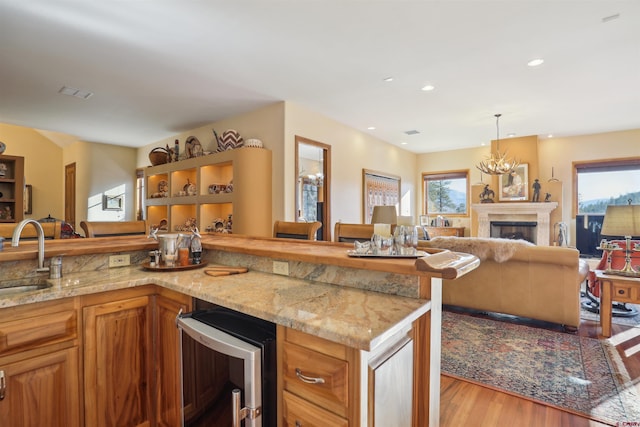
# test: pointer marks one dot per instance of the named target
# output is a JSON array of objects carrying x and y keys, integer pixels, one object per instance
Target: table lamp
[
  {"x": 384, "y": 215},
  {"x": 621, "y": 220}
]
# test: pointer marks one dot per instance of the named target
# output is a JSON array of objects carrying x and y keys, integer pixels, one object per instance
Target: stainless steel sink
[{"x": 22, "y": 285}]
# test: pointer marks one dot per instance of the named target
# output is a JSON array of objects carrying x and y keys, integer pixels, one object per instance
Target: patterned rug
[
  {"x": 581, "y": 375},
  {"x": 629, "y": 321}
]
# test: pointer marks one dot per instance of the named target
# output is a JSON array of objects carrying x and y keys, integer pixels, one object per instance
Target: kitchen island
[{"x": 361, "y": 303}]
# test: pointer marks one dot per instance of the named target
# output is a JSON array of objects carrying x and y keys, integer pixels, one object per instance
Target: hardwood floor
[{"x": 466, "y": 404}]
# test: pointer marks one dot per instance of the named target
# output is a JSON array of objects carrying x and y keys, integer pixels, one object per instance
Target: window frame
[
  {"x": 597, "y": 164},
  {"x": 444, "y": 175}
]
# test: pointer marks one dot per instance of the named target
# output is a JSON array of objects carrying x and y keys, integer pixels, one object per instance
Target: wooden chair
[
  {"x": 296, "y": 230},
  {"x": 352, "y": 232},
  {"x": 51, "y": 230},
  {"x": 113, "y": 228}
]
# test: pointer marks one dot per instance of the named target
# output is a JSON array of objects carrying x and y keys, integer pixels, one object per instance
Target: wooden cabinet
[
  {"x": 318, "y": 377},
  {"x": 41, "y": 391},
  {"x": 11, "y": 188},
  {"x": 132, "y": 357},
  {"x": 39, "y": 365},
  {"x": 445, "y": 231},
  {"x": 240, "y": 182},
  {"x": 328, "y": 384},
  {"x": 118, "y": 361},
  {"x": 167, "y": 357}
]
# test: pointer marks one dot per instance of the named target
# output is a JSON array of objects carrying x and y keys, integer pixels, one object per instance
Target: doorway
[
  {"x": 70, "y": 194},
  {"x": 313, "y": 184}
]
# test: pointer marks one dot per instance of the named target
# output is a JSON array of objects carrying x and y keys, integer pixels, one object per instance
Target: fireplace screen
[{"x": 517, "y": 230}]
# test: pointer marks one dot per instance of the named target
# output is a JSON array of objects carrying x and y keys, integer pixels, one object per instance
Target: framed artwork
[
  {"x": 515, "y": 186},
  {"x": 378, "y": 189},
  {"x": 111, "y": 203},
  {"x": 424, "y": 220}
]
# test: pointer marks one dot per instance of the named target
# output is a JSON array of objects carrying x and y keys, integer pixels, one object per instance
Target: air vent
[
  {"x": 78, "y": 93},
  {"x": 411, "y": 132}
]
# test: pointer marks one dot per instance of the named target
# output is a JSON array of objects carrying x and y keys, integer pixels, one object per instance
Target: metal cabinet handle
[
  {"x": 3, "y": 385},
  {"x": 308, "y": 380}
]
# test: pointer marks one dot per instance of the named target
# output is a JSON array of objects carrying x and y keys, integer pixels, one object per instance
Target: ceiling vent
[
  {"x": 411, "y": 132},
  {"x": 78, "y": 93}
]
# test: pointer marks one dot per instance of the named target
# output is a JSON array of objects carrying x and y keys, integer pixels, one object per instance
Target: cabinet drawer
[
  {"x": 302, "y": 366},
  {"x": 298, "y": 412},
  {"x": 625, "y": 293},
  {"x": 36, "y": 325}
]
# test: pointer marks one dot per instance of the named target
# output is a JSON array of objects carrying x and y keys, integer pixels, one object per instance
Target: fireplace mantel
[{"x": 516, "y": 211}]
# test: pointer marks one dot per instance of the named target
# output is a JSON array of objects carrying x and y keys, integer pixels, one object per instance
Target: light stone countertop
[{"x": 357, "y": 318}]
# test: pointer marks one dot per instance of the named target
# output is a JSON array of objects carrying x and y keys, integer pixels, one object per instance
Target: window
[
  {"x": 610, "y": 182},
  {"x": 446, "y": 193}
]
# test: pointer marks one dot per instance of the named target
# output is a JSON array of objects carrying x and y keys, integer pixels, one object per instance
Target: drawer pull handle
[
  {"x": 621, "y": 291},
  {"x": 308, "y": 380},
  {"x": 3, "y": 385}
]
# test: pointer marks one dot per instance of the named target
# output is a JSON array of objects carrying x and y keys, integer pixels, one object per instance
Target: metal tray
[
  {"x": 147, "y": 266},
  {"x": 418, "y": 254}
]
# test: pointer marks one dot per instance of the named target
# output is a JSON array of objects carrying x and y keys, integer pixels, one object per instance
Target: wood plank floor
[{"x": 466, "y": 404}]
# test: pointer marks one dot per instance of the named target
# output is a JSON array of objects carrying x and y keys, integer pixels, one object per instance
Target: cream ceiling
[{"x": 157, "y": 68}]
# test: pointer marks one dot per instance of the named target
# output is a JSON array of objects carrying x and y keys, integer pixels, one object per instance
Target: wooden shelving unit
[
  {"x": 11, "y": 189},
  {"x": 187, "y": 192}
]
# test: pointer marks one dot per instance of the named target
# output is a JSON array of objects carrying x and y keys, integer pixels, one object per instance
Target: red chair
[{"x": 617, "y": 263}]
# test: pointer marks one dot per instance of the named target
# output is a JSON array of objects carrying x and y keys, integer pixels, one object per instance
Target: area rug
[
  {"x": 581, "y": 375},
  {"x": 628, "y": 321}
]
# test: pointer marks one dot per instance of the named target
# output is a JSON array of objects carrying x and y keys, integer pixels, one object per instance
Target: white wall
[{"x": 351, "y": 152}]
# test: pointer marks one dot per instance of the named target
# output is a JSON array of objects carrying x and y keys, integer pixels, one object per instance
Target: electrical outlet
[
  {"x": 281, "y": 267},
  {"x": 119, "y": 260}
]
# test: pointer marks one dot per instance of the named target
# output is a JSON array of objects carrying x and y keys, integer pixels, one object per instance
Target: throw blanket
[{"x": 500, "y": 250}]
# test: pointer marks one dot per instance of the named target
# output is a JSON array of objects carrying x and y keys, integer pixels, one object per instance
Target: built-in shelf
[{"x": 180, "y": 190}]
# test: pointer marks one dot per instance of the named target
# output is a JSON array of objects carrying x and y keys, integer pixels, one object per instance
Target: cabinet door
[
  {"x": 168, "y": 362},
  {"x": 118, "y": 363},
  {"x": 42, "y": 391}
]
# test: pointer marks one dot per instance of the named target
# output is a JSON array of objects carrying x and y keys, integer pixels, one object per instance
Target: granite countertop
[{"x": 357, "y": 318}]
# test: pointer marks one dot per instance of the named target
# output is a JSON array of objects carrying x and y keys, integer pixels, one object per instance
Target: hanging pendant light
[{"x": 498, "y": 163}]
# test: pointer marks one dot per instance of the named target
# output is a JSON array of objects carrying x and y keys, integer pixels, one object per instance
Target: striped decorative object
[{"x": 230, "y": 139}]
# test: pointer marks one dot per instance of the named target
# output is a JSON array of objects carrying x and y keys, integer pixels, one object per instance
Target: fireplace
[
  {"x": 523, "y": 230},
  {"x": 537, "y": 213}
]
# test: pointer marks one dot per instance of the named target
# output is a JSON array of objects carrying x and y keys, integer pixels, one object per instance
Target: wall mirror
[{"x": 313, "y": 172}]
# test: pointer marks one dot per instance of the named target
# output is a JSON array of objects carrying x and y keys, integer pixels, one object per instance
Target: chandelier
[{"x": 498, "y": 163}]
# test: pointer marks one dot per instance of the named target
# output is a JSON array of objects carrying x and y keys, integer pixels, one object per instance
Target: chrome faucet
[{"x": 40, "y": 232}]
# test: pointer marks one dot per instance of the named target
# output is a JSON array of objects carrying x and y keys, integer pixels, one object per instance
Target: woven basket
[{"x": 158, "y": 156}]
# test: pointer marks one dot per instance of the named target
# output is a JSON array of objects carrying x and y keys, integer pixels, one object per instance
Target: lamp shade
[
  {"x": 622, "y": 220},
  {"x": 384, "y": 215}
]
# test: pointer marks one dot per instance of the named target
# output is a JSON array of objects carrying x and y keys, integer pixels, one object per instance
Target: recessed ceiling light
[
  {"x": 428, "y": 88},
  {"x": 371, "y": 128},
  {"x": 387, "y": 79},
  {"x": 511, "y": 135},
  {"x": 403, "y": 143},
  {"x": 535, "y": 62},
  {"x": 550, "y": 135}
]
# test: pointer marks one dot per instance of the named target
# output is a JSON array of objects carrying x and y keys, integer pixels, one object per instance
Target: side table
[{"x": 625, "y": 289}]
